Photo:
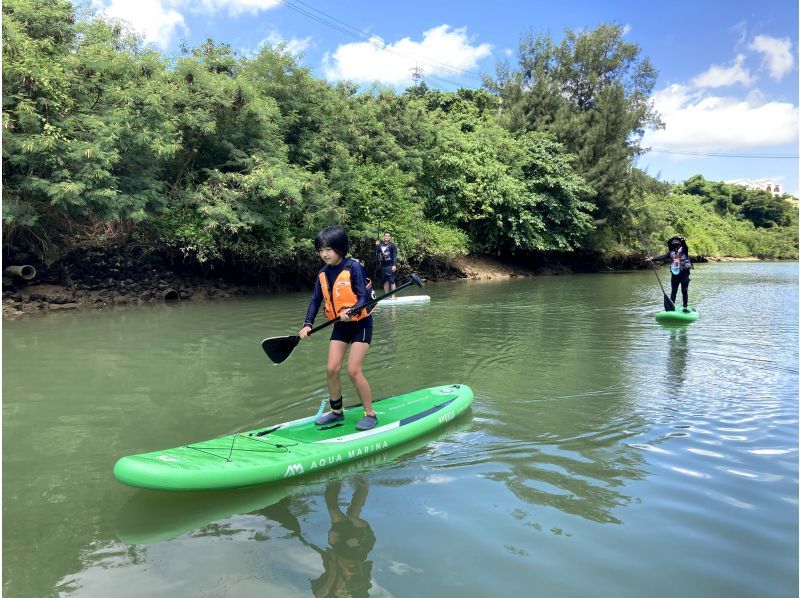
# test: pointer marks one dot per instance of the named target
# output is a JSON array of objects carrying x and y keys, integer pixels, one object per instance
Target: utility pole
[{"x": 416, "y": 74}]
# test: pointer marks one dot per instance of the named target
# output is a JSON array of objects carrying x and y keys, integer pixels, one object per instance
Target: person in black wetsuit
[
  {"x": 342, "y": 287},
  {"x": 386, "y": 252},
  {"x": 680, "y": 265}
]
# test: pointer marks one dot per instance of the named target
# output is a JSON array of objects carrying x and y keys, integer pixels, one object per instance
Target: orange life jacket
[{"x": 343, "y": 294}]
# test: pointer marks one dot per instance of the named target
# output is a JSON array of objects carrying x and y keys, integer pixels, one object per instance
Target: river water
[{"x": 605, "y": 454}]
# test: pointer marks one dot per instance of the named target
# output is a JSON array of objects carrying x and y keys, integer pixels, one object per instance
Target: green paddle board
[
  {"x": 678, "y": 315},
  {"x": 150, "y": 517},
  {"x": 293, "y": 448}
]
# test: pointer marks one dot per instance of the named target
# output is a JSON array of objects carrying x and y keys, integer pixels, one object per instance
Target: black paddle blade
[
  {"x": 416, "y": 280},
  {"x": 668, "y": 304},
  {"x": 278, "y": 348}
]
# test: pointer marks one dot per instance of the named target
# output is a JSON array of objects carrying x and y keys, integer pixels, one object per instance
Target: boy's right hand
[{"x": 304, "y": 331}]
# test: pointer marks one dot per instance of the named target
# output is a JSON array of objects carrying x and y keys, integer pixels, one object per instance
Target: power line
[
  {"x": 331, "y": 21},
  {"x": 723, "y": 155}
]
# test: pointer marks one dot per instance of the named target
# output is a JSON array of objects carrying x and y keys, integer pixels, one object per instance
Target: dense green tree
[
  {"x": 765, "y": 210},
  {"x": 760, "y": 207},
  {"x": 592, "y": 91},
  {"x": 242, "y": 159},
  {"x": 235, "y": 192},
  {"x": 82, "y": 132},
  {"x": 508, "y": 192}
]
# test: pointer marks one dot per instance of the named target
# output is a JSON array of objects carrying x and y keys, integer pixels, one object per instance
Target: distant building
[{"x": 758, "y": 185}]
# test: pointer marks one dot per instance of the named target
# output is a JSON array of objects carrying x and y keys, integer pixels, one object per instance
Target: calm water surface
[{"x": 605, "y": 454}]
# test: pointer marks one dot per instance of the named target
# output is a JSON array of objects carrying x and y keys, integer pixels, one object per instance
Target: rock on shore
[{"x": 98, "y": 278}]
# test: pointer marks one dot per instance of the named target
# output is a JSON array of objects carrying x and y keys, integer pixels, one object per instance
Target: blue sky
[{"x": 728, "y": 70}]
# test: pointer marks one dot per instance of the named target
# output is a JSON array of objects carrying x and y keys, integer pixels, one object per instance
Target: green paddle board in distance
[
  {"x": 678, "y": 315},
  {"x": 293, "y": 448}
]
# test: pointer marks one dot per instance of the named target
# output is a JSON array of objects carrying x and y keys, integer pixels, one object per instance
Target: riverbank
[{"x": 99, "y": 278}]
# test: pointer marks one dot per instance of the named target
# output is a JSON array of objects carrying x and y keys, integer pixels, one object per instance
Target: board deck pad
[{"x": 295, "y": 448}]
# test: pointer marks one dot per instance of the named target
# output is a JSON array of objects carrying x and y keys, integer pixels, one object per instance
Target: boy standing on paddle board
[
  {"x": 386, "y": 253},
  {"x": 680, "y": 264},
  {"x": 342, "y": 286}
]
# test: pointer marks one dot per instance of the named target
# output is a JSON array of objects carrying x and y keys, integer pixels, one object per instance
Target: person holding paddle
[
  {"x": 386, "y": 253},
  {"x": 343, "y": 288},
  {"x": 680, "y": 265}
]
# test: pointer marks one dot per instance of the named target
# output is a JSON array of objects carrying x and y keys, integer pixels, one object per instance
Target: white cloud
[
  {"x": 777, "y": 54},
  {"x": 293, "y": 46},
  {"x": 626, "y": 29},
  {"x": 740, "y": 29},
  {"x": 697, "y": 121},
  {"x": 152, "y": 19},
  {"x": 158, "y": 21},
  {"x": 718, "y": 76},
  {"x": 233, "y": 7},
  {"x": 441, "y": 50}
]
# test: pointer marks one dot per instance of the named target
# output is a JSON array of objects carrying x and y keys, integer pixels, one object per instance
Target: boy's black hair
[{"x": 333, "y": 237}]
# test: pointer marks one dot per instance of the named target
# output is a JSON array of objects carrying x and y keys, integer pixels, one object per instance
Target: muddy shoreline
[{"x": 98, "y": 278}]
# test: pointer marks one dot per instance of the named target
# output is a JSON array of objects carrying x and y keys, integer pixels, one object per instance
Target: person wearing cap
[{"x": 679, "y": 264}]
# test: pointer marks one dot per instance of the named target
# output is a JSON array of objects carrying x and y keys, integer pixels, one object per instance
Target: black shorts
[
  {"x": 387, "y": 274},
  {"x": 353, "y": 332}
]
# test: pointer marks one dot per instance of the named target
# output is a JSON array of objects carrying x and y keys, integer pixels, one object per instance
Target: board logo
[
  {"x": 167, "y": 458},
  {"x": 294, "y": 469}
]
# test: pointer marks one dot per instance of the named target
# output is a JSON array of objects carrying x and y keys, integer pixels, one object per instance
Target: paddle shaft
[
  {"x": 367, "y": 305},
  {"x": 654, "y": 269}
]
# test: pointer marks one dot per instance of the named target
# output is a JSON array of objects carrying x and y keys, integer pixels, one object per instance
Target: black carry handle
[
  {"x": 278, "y": 348},
  {"x": 668, "y": 304}
]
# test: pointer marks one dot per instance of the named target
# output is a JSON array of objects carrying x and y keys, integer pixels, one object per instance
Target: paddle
[
  {"x": 278, "y": 348},
  {"x": 668, "y": 304}
]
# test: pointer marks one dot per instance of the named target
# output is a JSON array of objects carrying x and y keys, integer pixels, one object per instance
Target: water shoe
[
  {"x": 367, "y": 423},
  {"x": 329, "y": 418}
]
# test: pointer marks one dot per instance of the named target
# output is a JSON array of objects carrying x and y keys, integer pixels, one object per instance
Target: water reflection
[
  {"x": 350, "y": 540},
  {"x": 677, "y": 357},
  {"x": 151, "y": 517},
  {"x": 348, "y": 570},
  {"x": 588, "y": 483}
]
